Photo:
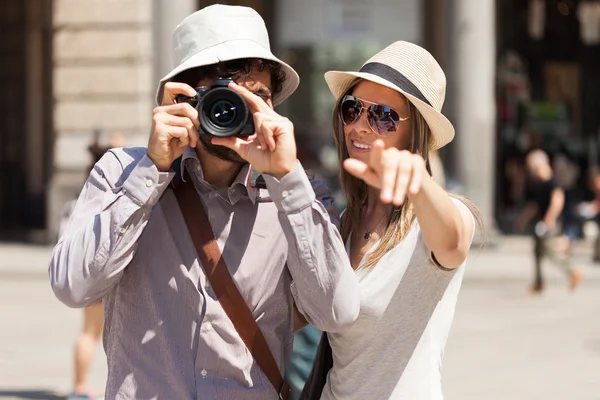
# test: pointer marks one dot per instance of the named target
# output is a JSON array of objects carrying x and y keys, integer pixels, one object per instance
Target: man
[
  {"x": 545, "y": 204},
  {"x": 166, "y": 336}
]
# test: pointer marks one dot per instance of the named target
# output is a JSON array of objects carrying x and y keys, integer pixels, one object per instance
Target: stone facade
[
  {"x": 102, "y": 79},
  {"x": 109, "y": 54}
]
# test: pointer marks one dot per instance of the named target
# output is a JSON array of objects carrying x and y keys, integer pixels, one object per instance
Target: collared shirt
[{"x": 166, "y": 336}]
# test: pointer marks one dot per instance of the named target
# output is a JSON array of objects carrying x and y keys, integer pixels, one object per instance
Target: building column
[
  {"x": 472, "y": 70},
  {"x": 36, "y": 131},
  {"x": 167, "y": 15}
]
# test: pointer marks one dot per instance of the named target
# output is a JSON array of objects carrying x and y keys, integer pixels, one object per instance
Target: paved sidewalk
[
  {"x": 504, "y": 345},
  {"x": 23, "y": 259}
]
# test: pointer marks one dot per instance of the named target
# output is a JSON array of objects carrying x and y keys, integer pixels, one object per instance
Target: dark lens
[
  {"x": 350, "y": 110},
  {"x": 223, "y": 113},
  {"x": 383, "y": 119}
]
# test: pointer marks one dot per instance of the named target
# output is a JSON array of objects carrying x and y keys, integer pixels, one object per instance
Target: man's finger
[
  {"x": 180, "y": 110},
  {"x": 255, "y": 103},
  {"x": 265, "y": 130},
  {"x": 172, "y": 89},
  {"x": 179, "y": 136},
  {"x": 174, "y": 120},
  {"x": 268, "y": 129},
  {"x": 241, "y": 147},
  {"x": 229, "y": 142},
  {"x": 258, "y": 121}
]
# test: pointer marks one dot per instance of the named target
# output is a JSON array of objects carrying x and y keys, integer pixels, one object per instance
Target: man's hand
[
  {"x": 174, "y": 126},
  {"x": 272, "y": 149}
]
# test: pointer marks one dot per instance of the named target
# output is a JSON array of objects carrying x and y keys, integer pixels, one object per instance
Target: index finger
[
  {"x": 172, "y": 89},
  {"x": 255, "y": 103},
  {"x": 376, "y": 155},
  {"x": 362, "y": 171}
]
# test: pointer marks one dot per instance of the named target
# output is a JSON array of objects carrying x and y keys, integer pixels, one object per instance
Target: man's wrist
[
  {"x": 161, "y": 166},
  {"x": 145, "y": 184},
  {"x": 293, "y": 192},
  {"x": 280, "y": 174}
]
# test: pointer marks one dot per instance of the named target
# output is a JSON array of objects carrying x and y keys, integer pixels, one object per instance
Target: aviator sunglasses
[{"x": 383, "y": 120}]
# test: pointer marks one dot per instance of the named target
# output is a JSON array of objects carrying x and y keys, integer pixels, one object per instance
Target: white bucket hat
[
  {"x": 412, "y": 71},
  {"x": 221, "y": 33}
]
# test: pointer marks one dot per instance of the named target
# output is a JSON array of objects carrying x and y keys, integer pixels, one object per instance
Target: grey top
[
  {"x": 166, "y": 336},
  {"x": 395, "y": 348}
]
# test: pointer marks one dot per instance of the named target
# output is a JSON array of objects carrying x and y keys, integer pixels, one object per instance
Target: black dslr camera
[{"x": 222, "y": 111}]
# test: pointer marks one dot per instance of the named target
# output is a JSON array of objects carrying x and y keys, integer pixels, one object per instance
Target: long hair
[{"x": 402, "y": 217}]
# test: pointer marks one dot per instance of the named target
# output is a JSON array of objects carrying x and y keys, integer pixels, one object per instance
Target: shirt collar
[{"x": 241, "y": 180}]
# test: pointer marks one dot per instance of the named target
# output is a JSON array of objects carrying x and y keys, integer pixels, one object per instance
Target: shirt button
[
  {"x": 198, "y": 168},
  {"x": 208, "y": 326},
  {"x": 149, "y": 182},
  {"x": 203, "y": 373},
  {"x": 122, "y": 230},
  {"x": 207, "y": 285},
  {"x": 285, "y": 193}
]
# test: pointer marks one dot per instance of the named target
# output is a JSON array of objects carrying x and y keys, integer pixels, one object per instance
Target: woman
[{"x": 406, "y": 237}]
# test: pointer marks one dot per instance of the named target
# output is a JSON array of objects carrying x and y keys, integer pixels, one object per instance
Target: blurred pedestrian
[
  {"x": 546, "y": 200},
  {"x": 93, "y": 316},
  {"x": 590, "y": 210},
  {"x": 566, "y": 173}
]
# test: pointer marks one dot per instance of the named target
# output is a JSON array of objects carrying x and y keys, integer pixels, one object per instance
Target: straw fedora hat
[
  {"x": 410, "y": 70},
  {"x": 221, "y": 33}
]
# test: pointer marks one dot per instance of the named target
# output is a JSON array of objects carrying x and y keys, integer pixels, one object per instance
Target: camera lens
[{"x": 223, "y": 113}]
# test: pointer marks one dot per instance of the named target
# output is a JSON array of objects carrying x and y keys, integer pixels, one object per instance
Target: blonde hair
[{"x": 401, "y": 218}]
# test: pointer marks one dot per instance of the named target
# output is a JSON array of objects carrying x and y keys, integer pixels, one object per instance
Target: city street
[
  {"x": 505, "y": 343},
  {"x": 500, "y": 98}
]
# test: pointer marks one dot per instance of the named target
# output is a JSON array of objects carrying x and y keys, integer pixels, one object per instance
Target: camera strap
[{"x": 227, "y": 293}]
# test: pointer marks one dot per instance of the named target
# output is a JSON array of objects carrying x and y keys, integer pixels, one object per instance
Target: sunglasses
[{"x": 383, "y": 120}]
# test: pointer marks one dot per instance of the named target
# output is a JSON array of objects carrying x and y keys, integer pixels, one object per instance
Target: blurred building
[
  {"x": 71, "y": 67},
  {"x": 548, "y": 92}
]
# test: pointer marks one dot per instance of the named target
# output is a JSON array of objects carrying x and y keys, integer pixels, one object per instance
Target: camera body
[{"x": 222, "y": 112}]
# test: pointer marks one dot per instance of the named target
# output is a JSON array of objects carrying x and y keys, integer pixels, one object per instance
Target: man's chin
[{"x": 220, "y": 152}]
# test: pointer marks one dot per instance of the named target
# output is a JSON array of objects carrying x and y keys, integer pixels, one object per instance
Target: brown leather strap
[{"x": 222, "y": 283}]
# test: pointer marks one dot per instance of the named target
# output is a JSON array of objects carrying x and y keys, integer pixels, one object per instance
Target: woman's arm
[{"x": 447, "y": 227}]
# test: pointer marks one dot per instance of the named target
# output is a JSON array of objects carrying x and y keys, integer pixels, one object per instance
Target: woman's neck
[{"x": 374, "y": 207}]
